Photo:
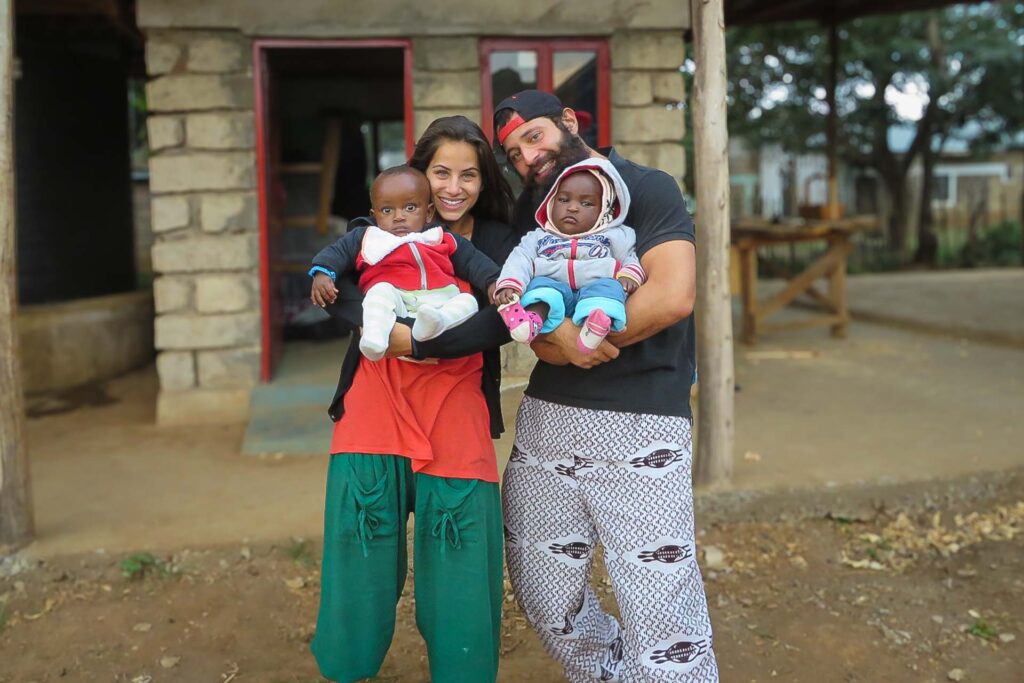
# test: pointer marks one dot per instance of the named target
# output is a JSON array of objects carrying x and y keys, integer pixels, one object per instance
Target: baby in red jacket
[{"x": 404, "y": 269}]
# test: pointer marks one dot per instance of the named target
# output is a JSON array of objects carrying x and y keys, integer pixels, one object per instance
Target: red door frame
[
  {"x": 261, "y": 81},
  {"x": 545, "y": 49}
]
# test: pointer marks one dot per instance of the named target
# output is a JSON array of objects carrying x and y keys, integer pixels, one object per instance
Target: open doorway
[{"x": 330, "y": 115}]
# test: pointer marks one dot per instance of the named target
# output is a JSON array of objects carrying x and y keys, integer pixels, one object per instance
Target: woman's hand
[{"x": 400, "y": 341}]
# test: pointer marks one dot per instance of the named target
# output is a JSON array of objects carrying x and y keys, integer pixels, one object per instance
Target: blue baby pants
[{"x": 605, "y": 293}]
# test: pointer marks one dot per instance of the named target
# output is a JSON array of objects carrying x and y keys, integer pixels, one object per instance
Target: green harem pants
[{"x": 457, "y": 560}]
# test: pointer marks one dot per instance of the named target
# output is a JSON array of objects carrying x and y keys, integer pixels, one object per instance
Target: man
[{"x": 603, "y": 445}]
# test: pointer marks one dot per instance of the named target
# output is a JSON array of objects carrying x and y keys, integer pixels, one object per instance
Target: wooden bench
[{"x": 749, "y": 234}]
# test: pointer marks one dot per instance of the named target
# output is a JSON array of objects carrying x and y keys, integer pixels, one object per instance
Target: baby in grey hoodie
[{"x": 581, "y": 262}]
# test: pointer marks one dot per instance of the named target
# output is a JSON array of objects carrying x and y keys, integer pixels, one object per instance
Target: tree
[{"x": 958, "y": 72}]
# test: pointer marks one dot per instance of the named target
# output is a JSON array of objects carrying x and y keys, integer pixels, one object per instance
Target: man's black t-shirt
[{"x": 652, "y": 376}]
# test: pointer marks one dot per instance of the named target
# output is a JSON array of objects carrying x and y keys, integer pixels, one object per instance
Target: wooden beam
[
  {"x": 714, "y": 305},
  {"x": 16, "y": 523}
]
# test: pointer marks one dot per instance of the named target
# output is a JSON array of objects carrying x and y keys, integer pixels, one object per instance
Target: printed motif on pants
[{"x": 580, "y": 477}]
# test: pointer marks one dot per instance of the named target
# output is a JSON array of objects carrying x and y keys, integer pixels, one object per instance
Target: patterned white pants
[{"x": 579, "y": 476}]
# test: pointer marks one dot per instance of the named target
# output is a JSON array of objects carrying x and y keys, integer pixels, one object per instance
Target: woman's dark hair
[{"x": 495, "y": 201}]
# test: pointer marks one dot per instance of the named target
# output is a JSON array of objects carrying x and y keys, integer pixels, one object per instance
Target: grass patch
[
  {"x": 3, "y": 618},
  {"x": 139, "y": 565},
  {"x": 982, "y": 629}
]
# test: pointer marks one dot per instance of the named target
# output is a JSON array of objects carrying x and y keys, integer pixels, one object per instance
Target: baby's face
[
  {"x": 577, "y": 203},
  {"x": 401, "y": 203}
]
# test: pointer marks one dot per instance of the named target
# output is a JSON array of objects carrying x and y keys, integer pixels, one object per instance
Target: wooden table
[{"x": 749, "y": 234}]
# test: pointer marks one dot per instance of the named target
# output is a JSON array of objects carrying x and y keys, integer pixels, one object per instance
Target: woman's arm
[{"x": 485, "y": 330}]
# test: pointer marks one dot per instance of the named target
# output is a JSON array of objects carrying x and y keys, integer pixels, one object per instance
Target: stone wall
[
  {"x": 446, "y": 79},
  {"x": 390, "y": 18},
  {"x": 205, "y": 224},
  {"x": 647, "y": 89},
  {"x": 203, "y": 172}
]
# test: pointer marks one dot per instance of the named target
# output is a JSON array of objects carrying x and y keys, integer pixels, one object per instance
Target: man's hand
[
  {"x": 628, "y": 284},
  {"x": 503, "y": 296},
  {"x": 559, "y": 348},
  {"x": 324, "y": 292}
]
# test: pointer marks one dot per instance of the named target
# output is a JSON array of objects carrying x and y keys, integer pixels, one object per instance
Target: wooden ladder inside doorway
[{"x": 327, "y": 168}]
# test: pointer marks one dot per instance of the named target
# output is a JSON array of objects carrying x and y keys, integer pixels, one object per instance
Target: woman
[{"x": 458, "y": 528}]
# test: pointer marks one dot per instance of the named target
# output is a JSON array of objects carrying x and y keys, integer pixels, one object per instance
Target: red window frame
[{"x": 545, "y": 50}]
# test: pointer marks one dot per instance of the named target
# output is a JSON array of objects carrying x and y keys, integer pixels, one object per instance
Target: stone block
[
  {"x": 424, "y": 117},
  {"x": 177, "y": 370},
  {"x": 161, "y": 57},
  {"x": 72, "y": 343},
  {"x": 205, "y": 253},
  {"x": 172, "y": 294},
  {"x": 445, "y": 54},
  {"x": 202, "y": 171},
  {"x": 164, "y": 132},
  {"x": 231, "y": 369},
  {"x": 667, "y": 156},
  {"x": 218, "y": 54},
  {"x": 202, "y": 406},
  {"x": 195, "y": 92},
  {"x": 169, "y": 213},
  {"x": 228, "y": 212},
  {"x": 647, "y": 124},
  {"x": 185, "y": 331},
  {"x": 647, "y": 49},
  {"x": 225, "y": 293},
  {"x": 631, "y": 88},
  {"x": 668, "y": 86},
  {"x": 221, "y": 131},
  {"x": 446, "y": 89}
]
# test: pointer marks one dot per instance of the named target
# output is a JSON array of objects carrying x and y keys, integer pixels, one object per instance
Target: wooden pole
[
  {"x": 16, "y": 525},
  {"x": 833, "y": 120},
  {"x": 714, "y": 303}
]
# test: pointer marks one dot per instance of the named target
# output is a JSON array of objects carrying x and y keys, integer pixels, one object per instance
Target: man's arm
[{"x": 668, "y": 295}]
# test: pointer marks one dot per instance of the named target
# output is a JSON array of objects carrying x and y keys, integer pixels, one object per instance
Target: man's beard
[{"x": 571, "y": 150}]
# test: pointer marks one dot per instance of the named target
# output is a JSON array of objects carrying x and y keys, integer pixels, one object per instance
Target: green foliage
[
  {"x": 973, "y": 69},
  {"x": 139, "y": 565},
  {"x": 981, "y": 629},
  {"x": 4, "y": 616},
  {"x": 1000, "y": 245}
]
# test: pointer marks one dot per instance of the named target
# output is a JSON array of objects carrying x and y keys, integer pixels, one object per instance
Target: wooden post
[
  {"x": 714, "y": 305},
  {"x": 16, "y": 526},
  {"x": 832, "y": 131}
]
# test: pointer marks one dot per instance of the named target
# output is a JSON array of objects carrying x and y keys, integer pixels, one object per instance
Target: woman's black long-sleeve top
[{"x": 484, "y": 332}]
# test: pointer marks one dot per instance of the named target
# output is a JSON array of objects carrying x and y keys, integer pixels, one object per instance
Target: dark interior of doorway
[{"x": 341, "y": 118}]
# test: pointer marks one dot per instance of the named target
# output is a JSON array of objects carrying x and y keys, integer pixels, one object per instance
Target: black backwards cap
[{"x": 527, "y": 105}]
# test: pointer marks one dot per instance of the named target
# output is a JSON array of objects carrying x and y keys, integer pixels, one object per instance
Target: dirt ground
[{"x": 932, "y": 596}]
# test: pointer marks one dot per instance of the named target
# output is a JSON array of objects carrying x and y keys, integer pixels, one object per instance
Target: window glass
[
  {"x": 512, "y": 71},
  {"x": 575, "y": 83}
]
